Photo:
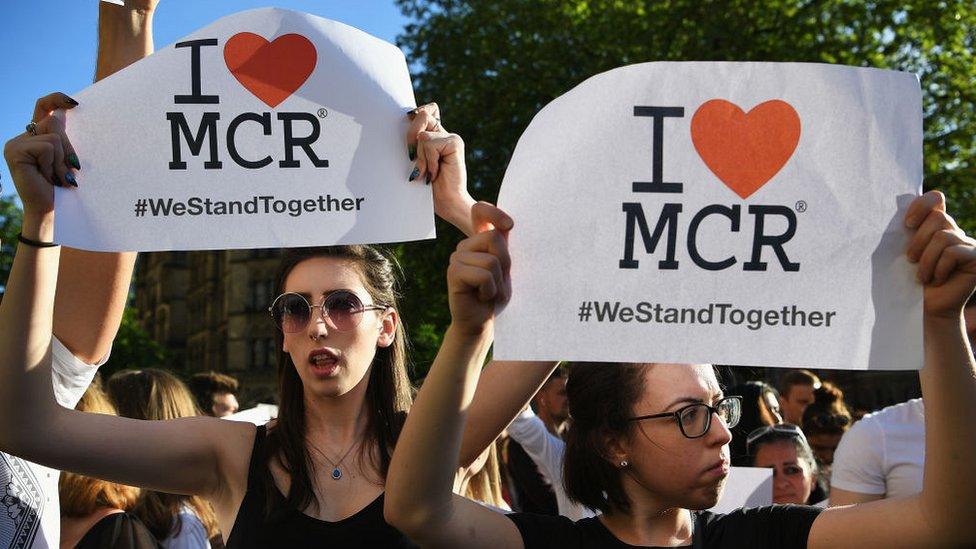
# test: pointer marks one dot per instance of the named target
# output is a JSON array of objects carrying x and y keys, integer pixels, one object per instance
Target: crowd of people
[{"x": 607, "y": 454}]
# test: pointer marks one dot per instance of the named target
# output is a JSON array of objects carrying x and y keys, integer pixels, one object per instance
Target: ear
[
  {"x": 616, "y": 450},
  {"x": 388, "y": 325}
]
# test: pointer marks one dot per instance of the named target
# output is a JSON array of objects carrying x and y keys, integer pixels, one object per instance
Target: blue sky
[{"x": 50, "y": 45}]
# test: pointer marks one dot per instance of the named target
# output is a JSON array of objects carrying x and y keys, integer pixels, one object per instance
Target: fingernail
[
  {"x": 412, "y": 152},
  {"x": 414, "y": 174},
  {"x": 910, "y": 222},
  {"x": 71, "y": 101},
  {"x": 70, "y": 178},
  {"x": 412, "y": 114},
  {"x": 428, "y": 178},
  {"x": 73, "y": 160}
]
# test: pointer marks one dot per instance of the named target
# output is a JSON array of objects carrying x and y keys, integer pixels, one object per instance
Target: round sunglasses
[{"x": 342, "y": 310}]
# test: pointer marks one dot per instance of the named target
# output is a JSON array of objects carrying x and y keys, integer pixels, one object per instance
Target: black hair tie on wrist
[{"x": 37, "y": 244}]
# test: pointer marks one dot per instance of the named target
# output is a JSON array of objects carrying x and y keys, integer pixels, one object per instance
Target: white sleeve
[
  {"x": 70, "y": 376},
  {"x": 545, "y": 448},
  {"x": 859, "y": 462}
]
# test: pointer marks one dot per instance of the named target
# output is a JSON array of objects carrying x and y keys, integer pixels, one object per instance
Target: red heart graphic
[
  {"x": 272, "y": 71},
  {"x": 745, "y": 150}
]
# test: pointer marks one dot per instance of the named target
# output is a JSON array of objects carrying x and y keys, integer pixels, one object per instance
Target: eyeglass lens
[
  {"x": 696, "y": 419},
  {"x": 342, "y": 310}
]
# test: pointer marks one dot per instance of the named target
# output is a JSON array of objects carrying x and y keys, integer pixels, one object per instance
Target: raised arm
[
  {"x": 940, "y": 515},
  {"x": 93, "y": 287},
  {"x": 419, "y": 498},
  {"x": 192, "y": 456}
]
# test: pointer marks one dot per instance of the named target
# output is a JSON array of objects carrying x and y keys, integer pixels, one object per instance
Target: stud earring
[{"x": 624, "y": 463}]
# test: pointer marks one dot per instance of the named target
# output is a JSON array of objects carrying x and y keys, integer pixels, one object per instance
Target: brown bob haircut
[{"x": 602, "y": 396}]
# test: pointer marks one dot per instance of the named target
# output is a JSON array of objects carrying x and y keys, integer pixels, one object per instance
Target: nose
[
  {"x": 719, "y": 433},
  {"x": 317, "y": 327}
]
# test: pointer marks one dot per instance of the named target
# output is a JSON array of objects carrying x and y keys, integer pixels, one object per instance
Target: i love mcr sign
[
  {"x": 266, "y": 128},
  {"x": 732, "y": 213}
]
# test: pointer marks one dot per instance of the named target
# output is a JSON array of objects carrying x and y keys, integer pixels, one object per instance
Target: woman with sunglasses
[
  {"x": 317, "y": 475},
  {"x": 784, "y": 449},
  {"x": 648, "y": 446}
]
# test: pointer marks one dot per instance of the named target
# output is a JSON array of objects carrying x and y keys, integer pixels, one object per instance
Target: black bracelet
[{"x": 24, "y": 240}]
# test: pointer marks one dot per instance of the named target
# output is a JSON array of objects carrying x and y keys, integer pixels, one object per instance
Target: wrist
[
  {"x": 479, "y": 333},
  {"x": 123, "y": 20},
  {"x": 38, "y": 226},
  {"x": 458, "y": 214}
]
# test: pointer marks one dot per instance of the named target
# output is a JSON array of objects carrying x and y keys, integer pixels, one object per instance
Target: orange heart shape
[
  {"x": 745, "y": 150},
  {"x": 272, "y": 71}
]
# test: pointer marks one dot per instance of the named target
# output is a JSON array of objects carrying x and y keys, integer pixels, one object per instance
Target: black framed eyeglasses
[
  {"x": 342, "y": 310},
  {"x": 783, "y": 429},
  {"x": 694, "y": 420}
]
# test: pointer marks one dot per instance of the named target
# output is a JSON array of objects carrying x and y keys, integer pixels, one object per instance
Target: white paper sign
[
  {"x": 746, "y": 487},
  {"x": 734, "y": 213},
  {"x": 266, "y": 128}
]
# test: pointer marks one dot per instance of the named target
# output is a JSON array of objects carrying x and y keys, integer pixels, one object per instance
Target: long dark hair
[{"x": 387, "y": 392}]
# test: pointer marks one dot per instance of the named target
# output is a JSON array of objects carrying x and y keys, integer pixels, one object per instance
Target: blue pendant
[{"x": 336, "y": 474}]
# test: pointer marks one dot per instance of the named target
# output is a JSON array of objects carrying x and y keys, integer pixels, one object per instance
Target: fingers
[
  {"x": 50, "y": 103},
  {"x": 423, "y": 119},
  {"x": 435, "y": 150},
  {"x": 482, "y": 271},
  {"x": 48, "y": 153},
  {"x": 919, "y": 209},
  {"x": 935, "y": 220},
  {"x": 485, "y": 216},
  {"x": 929, "y": 268},
  {"x": 51, "y": 128}
]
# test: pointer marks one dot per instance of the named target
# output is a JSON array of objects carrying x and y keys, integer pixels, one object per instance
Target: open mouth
[{"x": 323, "y": 362}]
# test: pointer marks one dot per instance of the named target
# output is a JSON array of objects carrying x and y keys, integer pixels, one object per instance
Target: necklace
[{"x": 336, "y": 471}]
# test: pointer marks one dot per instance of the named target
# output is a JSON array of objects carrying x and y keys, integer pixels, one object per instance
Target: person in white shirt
[{"x": 881, "y": 456}]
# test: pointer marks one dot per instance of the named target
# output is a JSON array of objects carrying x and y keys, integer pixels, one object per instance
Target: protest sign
[
  {"x": 734, "y": 213},
  {"x": 748, "y": 487},
  {"x": 266, "y": 128}
]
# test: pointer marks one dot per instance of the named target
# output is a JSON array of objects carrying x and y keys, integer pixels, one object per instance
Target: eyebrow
[
  {"x": 308, "y": 296},
  {"x": 692, "y": 400}
]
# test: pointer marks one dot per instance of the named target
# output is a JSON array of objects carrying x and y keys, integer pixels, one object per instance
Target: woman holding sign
[
  {"x": 316, "y": 476},
  {"x": 648, "y": 446}
]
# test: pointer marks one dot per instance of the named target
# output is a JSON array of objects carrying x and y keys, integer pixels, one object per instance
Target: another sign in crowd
[{"x": 618, "y": 447}]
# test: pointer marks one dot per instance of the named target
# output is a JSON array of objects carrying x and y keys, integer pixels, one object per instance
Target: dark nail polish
[
  {"x": 70, "y": 178},
  {"x": 428, "y": 179},
  {"x": 73, "y": 160},
  {"x": 412, "y": 152},
  {"x": 71, "y": 101},
  {"x": 414, "y": 174}
]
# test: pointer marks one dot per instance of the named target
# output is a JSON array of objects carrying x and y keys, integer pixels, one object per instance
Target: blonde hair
[
  {"x": 153, "y": 394},
  {"x": 486, "y": 485},
  {"x": 80, "y": 495}
]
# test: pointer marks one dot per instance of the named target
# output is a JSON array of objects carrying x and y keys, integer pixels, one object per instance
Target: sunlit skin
[
  {"x": 354, "y": 350},
  {"x": 823, "y": 446},
  {"x": 664, "y": 465},
  {"x": 224, "y": 404},
  {"x": 795, "y": 403},
  {"x": 792, "y": 477}
]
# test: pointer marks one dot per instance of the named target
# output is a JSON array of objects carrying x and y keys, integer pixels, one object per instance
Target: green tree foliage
[
  {"x": 492, "y": 65},
  {"x": 134, "y": 348},
  {"x": 10, "y": 220}
]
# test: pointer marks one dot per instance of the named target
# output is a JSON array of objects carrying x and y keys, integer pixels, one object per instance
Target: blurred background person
[
  {"x": 95, "y": 513},
  {"x": 532, "y": 491},
  {"x": 760, "y": 408},
  {"x": 825, "y": 422},
  {"x": 784, "y": 449},
  {"x": 482, "y": 481},
  {"x": 215, "y": 393},
  {"x": 883, "y": 454},
  {"x": 796, "y": 392},
  {"x": 177, "y": 521}
]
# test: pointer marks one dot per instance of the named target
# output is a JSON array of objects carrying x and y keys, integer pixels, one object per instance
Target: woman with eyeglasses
[
  {"x": 648, "y": 446},
  {"x": 784, "y": 449},
  {"x": 316, "y": 477}
]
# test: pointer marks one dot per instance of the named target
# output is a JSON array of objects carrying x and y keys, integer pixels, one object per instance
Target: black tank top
[{"x": 289, "y": 527}]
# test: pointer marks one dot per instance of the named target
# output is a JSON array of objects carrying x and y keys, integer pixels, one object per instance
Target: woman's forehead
[
  {"x": 318, "y": 275},
  {"x": 667, "y": 383}
]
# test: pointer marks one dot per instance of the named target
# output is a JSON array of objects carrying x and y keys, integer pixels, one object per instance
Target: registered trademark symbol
[
  {"x": 801, "y": 206},
  {"x": 323, "y": 113}
]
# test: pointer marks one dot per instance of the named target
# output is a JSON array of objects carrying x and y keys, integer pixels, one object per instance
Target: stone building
[{"x": 209, "y": 310}]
